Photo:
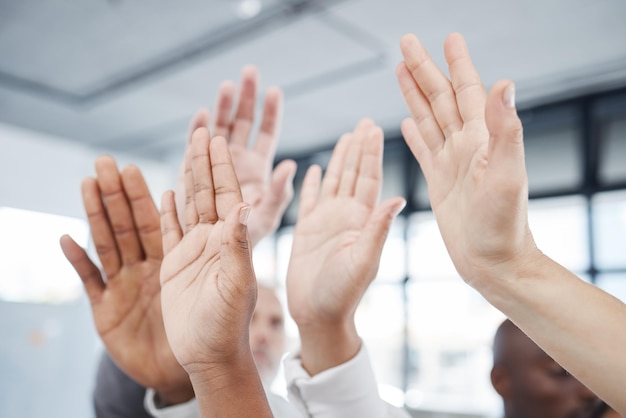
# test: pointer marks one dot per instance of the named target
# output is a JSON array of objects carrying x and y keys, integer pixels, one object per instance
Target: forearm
[
  {"x": 328, "y": 345},
  {"x": 576, "y": 323},
  {"x": 231, "y": 390}
]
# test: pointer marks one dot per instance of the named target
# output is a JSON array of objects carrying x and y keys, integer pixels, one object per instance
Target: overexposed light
[
  {"x": 392, "y": 395},
  {"x": 247, "y": 9},
  {"x": 414, "y": 398},
  {"x": 32, "y": 265}
]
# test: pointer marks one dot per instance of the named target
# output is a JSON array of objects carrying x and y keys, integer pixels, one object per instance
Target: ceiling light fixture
[{"x": 247, "y": 9}]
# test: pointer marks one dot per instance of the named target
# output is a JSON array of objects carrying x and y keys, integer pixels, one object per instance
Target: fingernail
[
  {"x": 508, "y": 98},
  {"x": 399, "y": 208},
  {"x": 243, "y": 215}
]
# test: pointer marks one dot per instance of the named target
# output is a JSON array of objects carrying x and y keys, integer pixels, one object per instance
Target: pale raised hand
[
  {"x": 470, "y": 148},
  {"x": 126, "y": 302},
  {"x": 337, "y": 245},
  {"x": 267, "y": 191}
]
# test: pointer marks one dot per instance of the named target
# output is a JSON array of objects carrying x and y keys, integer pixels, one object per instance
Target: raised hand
[
  {"x": 268, "y": 192},
  {"x": 338, "y": 241},
  {"x": 126, "y": 302},
  {"x": 208, "y": 287},
  {"x": 470, "y": 148}
]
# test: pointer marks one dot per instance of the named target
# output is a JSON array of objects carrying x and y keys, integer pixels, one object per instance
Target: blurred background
[{"x": 78, "y": 79}]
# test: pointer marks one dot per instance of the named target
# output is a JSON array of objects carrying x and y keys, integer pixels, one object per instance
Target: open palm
[
  {"x": 267, "y": 191},
  {"x": 340, "y": 230},
  {"x": 126, "y": 307},
  {"x": 470, "y": 148},
  {"x": 208, "y": 287}
]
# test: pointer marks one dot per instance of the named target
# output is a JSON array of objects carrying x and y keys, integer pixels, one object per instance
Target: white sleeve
[
  {"x": 347, "y": 390},
  {"x": 188, "y": 409}
]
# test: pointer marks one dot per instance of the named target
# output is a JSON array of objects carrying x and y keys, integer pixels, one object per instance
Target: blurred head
[
  {"x": 603, "y": 410},
  {"x": 267, "y": 333},
  {"x": 531, "y": 383}
]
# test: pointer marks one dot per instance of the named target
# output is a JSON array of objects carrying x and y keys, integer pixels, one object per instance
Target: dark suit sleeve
[{"x": 116, "y": 395}]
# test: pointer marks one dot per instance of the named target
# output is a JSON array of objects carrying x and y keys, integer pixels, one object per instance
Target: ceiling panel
[
  {"x": 128, "y": 75},
  {"x": 78, "y": 47}
]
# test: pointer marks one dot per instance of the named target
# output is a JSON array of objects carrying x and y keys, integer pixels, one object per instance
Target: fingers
[
  {"x": 350, "y": 169},
  {"x": 417, "y": 145},
  {"x": 330, "y": 184},
  {"x": 191, "y": 213},
  {"x": 281, "y": 187},
  {"x": 203, "y": 188},
  {"x": 434, "y": 85},
  {"x": 310, "y": 190},
  {"x": 355, "y": 167},
  {"x": 224, "y": 108},
  {"x": 236, "y": 129},
  {"x": 370, "y": 175},
  {"x": 469, "y": 91},
  {"x": 227, "y": 190},
  {"x": 199, "y": 120},
  {"x": 244, "y": 118},
  {"x": 211, "y": 186},
  {"x": 272, "y": 205},
  {"x": 101, "y": 231},
  {"x": 506, "y": 143},
  {"x": 171, "y": 232},
  {"x": 374, "y": 235},
  {"x": 235, "y": 252},
  {"x": 419, "y": 109},
  {"x": 118, "y": 210},
  {"x": 85, "y": 268},
  {"x": 270, "y": 124},
  {"x": 145, "y": 213}
]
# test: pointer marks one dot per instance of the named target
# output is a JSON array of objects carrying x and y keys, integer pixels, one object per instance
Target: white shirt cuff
[
  {"x": 347, "y": 390},
  {"x": 188, "y": 409}
]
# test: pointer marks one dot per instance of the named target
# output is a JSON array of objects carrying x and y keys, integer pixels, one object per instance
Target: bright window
[{"x": 32, "y": 265}]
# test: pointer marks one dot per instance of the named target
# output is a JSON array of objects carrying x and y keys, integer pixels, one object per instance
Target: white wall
[{"x": 43, "y": 173}]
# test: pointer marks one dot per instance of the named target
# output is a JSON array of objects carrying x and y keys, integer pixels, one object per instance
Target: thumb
[
  {"x": 281, "y": 188},
  {"x": 235, "y": 251},
  {"x": 506, "y": 139},
  {"x": 85, "y": 268},
  {"x": 273, "y": 205},
  {"x": 375, "y": 232}
]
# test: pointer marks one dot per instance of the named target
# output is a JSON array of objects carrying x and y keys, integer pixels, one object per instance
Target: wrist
[
  {"x": 328, "y": 344},
  {"x": 508, "y": 285},
  {"x": 228, "y": 386}
]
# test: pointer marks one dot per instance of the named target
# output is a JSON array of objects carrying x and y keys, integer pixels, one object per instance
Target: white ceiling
[{"x": 127, "y": 75}]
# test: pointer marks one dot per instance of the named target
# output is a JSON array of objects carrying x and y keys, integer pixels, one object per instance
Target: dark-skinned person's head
[{"x": 531, "y": 383}]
